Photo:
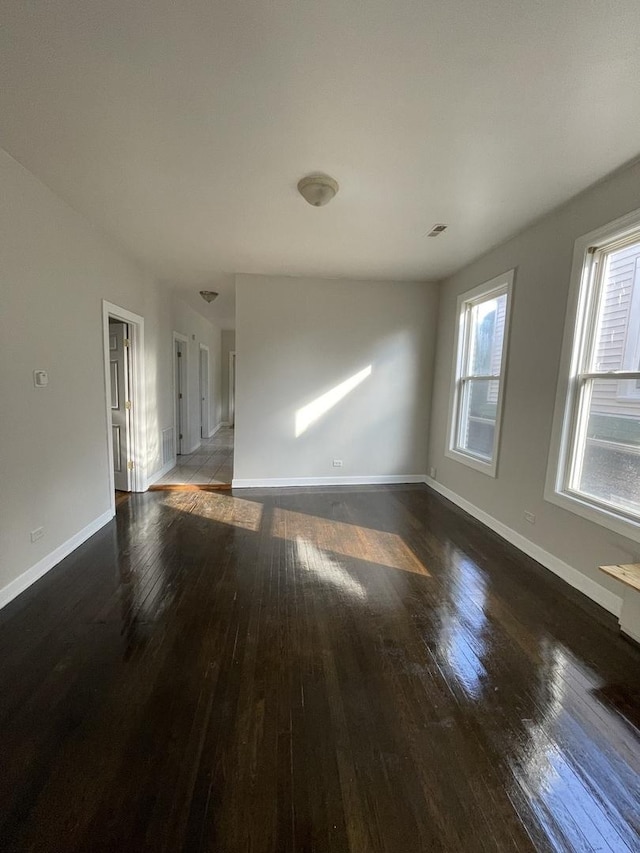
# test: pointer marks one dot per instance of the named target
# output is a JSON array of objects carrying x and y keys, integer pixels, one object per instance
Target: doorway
[
  {"x": 204, "y": 391},
  {"x": 123, "y": 340},
  {"x": 119, "y": 386},
  {"x": 180, "y": 356},
  {"x": 208, "y": 467}
]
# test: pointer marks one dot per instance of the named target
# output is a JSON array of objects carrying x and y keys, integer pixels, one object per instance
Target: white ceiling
[{"x": 182, "y": 126}]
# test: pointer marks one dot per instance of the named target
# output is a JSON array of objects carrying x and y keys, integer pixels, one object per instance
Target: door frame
[
  {"x": 185, "y": 392},
  {"x": 205, "y": 431},
  {"x": 231, "y": 397},
  {"x": 138, "y": 432}
]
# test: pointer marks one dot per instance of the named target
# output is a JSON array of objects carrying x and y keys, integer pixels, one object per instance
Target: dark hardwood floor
[{"x": 358, "y": 670}]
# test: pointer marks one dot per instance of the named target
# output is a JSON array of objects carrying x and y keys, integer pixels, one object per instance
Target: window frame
[
  {"x": 501, "y": 284},
  {"x": 577, "y": 346}
]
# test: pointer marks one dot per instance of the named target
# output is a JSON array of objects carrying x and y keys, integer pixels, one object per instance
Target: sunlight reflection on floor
[
  {"x": 350, "y": 540},
  {"x": 575, "y": 813},
  {"x": 220, "y": 507},
  {"x": 326, "y": 568}
]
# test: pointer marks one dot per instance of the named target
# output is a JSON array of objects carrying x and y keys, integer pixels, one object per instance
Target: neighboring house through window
[{"x": 627, "y": 310}]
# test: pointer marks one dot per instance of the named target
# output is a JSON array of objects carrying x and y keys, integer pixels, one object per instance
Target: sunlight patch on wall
[
  {"x": 350, "y": 540},
  {"x": 310, "y": 413}
]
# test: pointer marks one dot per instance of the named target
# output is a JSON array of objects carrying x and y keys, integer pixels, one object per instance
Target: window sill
[
  {"x": 605, "y": 518},
  {"x": 488, "y": 468}
]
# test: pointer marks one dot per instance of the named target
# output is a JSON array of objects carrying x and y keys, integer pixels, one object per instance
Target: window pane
[
  {"x": 608, "y": 457},
  {"x": 478, "y": 410},
  {"x": 487, "y": 336},
  {"x": 617, "y": 340}
]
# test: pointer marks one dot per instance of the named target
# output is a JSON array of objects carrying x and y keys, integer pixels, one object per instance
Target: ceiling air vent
[{"x": 437, "y": 229}]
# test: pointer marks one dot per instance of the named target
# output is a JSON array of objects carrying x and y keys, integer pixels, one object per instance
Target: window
[
  {"x": 598, "y": 459},
  {"x": 481, "y": 347}
]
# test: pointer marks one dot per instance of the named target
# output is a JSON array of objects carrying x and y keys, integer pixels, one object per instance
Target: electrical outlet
[
  {"x": 40, "y": 378},
  {"x": 432, "y": 473},
  {"x": 530, "y": 517},
  {"x": 337, "y": 463},
  {"x": 36, "y": 534}
]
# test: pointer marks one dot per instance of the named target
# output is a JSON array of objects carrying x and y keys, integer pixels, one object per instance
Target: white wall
[
  {"x": 542, "y": 256},
  {"x": 296, "y": 340},
  {"x": 198, "y": 331},
  {"x": 55, "y": 272},
  {"x": 228, "y": 345},
  {"x": 157, "y": 312}
]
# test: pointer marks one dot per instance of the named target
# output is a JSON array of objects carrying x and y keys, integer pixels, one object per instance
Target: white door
[
  {"x": 120, "y": 403},
  {"x": 204, "y": 393},
  {"x": 180, "y": 384}
]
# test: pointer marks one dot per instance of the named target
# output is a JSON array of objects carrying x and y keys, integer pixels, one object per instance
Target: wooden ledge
[{"x": 629, "y": 574}]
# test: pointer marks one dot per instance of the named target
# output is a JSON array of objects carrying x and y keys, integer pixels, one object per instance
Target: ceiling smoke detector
[
  {"x": 436, "y": 230},
  {"x": 208, "y": 295},
  {"x": 318, "y": 190}
]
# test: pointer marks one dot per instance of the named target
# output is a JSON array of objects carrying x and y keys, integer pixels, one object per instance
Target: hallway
[{"x": 210, "y": 465}]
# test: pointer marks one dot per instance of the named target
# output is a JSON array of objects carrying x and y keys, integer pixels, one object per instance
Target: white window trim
[
  {"x": 554, "y": 491},
  {"x": 500, "y": 284}
]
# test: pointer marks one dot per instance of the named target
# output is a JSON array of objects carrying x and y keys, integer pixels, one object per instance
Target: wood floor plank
[{"x": 349, "y": 670}]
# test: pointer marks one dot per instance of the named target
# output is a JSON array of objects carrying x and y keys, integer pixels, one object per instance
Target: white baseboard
[
  {"x": 375, "y": 480},
  {"x": 193, "y": 449},
  {"x": 224, "y": 424},
  {"x": 574, "y": 577},
  {"x": 157, "y": 475},
  {"x": 23, "y": 581},
  {"x": 215, "y": 429}
]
